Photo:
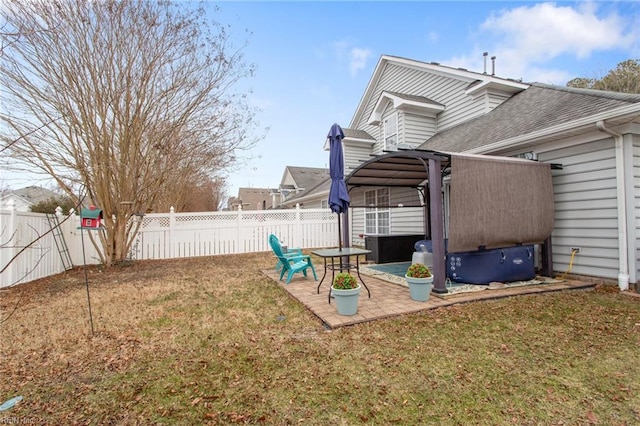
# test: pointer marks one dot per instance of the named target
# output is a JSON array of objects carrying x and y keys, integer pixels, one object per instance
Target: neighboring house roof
[
  {"x": 34, "y": 194},
  {"x": 321, "y": 188},
  {"x": 298, "y": 182},
  {"x": 305, "y": 177},
  {"x": 253, "y": 198},
  {"x": 28, "y": 196},
  {"x": 539, "y": 108}
]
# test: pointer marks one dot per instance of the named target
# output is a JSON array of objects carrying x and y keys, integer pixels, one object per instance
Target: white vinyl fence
[{"x": 161, "y": 236}]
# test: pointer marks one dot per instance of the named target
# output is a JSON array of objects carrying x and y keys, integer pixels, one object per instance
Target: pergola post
[
  {"x": 437, "y": 225},
  {"x": 547, "y": 258},
  {"x": 426, "y": 212}
]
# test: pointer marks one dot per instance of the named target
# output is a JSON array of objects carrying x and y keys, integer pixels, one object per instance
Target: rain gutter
[{"x": 623, "y": 248}]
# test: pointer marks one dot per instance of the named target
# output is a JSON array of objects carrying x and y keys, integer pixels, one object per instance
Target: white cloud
[
  {"x": 546, "y": 30},
  {"x": 527, "y": 39},
  {"x": 341, "y": 48},
  {"x": 358, "y": 59}
]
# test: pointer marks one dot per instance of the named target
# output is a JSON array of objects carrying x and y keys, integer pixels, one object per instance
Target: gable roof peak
[
  {"x": 404, "y": 102},
  {"x": 482, "y": 81}
]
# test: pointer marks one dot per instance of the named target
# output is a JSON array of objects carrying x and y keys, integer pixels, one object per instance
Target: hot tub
[{"x": 391, "y": 248}]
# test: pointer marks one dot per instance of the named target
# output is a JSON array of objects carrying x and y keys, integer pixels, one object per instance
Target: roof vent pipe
[
  {"x": 493, "y": 66},
  {"x": 485, "y": 62}
]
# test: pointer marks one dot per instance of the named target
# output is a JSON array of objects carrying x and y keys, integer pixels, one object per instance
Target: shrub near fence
[{"x": 161, "y": 236}]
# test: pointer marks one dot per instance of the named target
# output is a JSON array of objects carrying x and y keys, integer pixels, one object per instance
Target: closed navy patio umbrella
[{"x": 338, "y": 195}]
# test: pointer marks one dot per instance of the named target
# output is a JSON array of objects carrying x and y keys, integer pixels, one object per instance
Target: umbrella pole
[{"x": 339, "y": 234}]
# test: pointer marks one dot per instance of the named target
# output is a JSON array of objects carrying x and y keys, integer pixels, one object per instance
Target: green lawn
[{"x": 213, "y": 341}]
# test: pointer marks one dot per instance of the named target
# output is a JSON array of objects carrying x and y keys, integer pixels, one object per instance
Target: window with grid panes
[
  {"x": 377, "y": 218},
  {"x": 391, "y": 132}
]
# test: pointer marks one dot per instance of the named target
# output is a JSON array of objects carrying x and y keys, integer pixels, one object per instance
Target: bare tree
[
  {"x": 207, "y": 196},
  {"x": 624, "y": 78},
  {"x": 203, "y": 195},
  {"x": 132, "y": 100}
]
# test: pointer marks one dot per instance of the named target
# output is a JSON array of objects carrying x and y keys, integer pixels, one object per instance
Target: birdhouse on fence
[{"x": 91, "y": 218}]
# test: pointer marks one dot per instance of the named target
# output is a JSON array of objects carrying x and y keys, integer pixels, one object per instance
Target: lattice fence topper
[{"x": 168, "y": 235}]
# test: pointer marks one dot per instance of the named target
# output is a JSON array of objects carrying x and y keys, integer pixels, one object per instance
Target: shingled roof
[
  {"x": 33, "y": 194},
  {"x": 357, "y": 134},
  {"x": 538, "y": 108},
  {"x": 307, "y": 177},
  {"x": 253, "y": 199}
]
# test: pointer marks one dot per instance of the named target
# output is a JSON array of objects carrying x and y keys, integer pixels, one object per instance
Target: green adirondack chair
[
  {"x": 288, "y": 252},
  {"x": 291, "y": 263}
]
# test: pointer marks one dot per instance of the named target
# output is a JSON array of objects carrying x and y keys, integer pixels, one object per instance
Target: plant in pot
[
  {"x": 420, "y": 281},
  {"x": 345, "y": 290}
]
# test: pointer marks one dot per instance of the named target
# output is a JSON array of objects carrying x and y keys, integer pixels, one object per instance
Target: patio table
[{"x": 345, "y": 253}]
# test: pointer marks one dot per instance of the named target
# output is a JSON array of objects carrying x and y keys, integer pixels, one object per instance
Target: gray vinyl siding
[
  {"x": 356, "y": 215},
  {"x": 418, "y": 129},
  {"x": 636, "y": 205},
  {"x": 378, "y": 133},
  {"x": 585, "y": 209},
  {"x": 493, "y": 99},
  {"x": 355, "y": 155},
  {"x": 460, "y": 109},
  {"x": 406, "y": 219},
  {"x": 448, "y": 91},
  {"x": 357, "y": 223},
  {"x": 401, "y": 127},
  {"x": 496, "y": 99}
]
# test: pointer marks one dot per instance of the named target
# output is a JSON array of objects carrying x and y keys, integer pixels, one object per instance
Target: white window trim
[
  {"x": 386, "y": 136},
  {"x": 376, "y": 212}
]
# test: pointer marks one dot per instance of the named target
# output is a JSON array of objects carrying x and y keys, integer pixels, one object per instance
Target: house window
[
  {"x": 377, "y": 218},
  {"x": 324, "y": 204},
  {"x": 391, "y": 132}
]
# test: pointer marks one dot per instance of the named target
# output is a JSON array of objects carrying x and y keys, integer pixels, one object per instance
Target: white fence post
[
  {"x": 172, "y": 229},
  {"x": 297, "y": 229},
  {"x": 4, "y": 253},
  {"x": 239, "y": 236},
  {"x": 10, "y": 242},
  {"x": 75, "y": 245},
  {"x": 189, "y": 234}
]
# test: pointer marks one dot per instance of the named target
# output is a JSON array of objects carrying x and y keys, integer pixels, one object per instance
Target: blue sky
[{"x": 314, "y": 59}]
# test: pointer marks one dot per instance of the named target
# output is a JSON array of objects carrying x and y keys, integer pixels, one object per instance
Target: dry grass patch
[{"x": 211, "y": 340}]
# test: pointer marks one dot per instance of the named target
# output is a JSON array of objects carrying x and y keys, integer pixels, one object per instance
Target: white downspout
[{"x": 623, "y": 274}]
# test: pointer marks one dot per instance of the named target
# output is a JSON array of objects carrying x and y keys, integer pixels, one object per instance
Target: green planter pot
[
  {"x": 346, "y": 300},
  {"x": 420, "y": 288}
]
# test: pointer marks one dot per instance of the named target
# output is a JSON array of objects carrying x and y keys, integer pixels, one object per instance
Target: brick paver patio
[{"x": 389, "y": 299}]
